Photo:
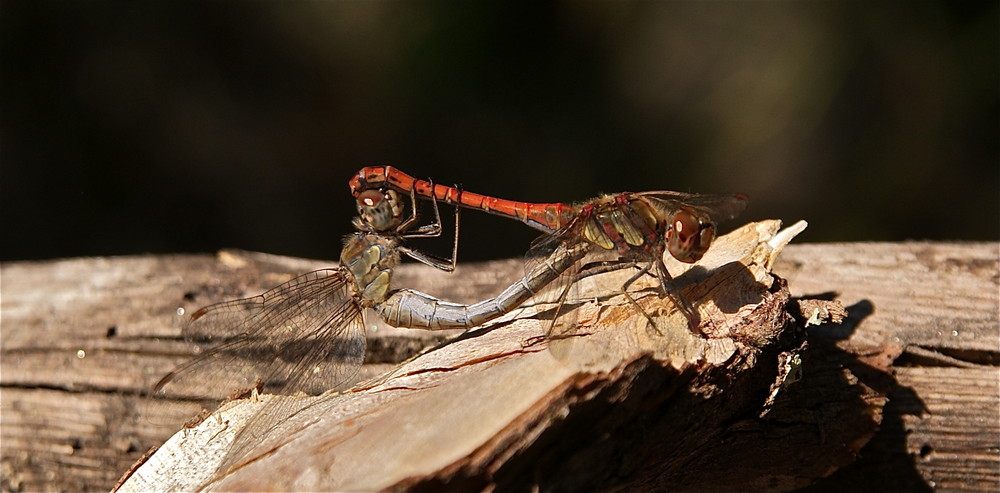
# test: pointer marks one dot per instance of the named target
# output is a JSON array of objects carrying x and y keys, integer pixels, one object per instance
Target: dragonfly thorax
[
  {"x": 623, "y": 224},
  {"x": 370, "y": 259}
]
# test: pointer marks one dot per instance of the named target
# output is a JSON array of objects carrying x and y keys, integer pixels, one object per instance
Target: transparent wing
[
  {"x": 306, "y": 335},
  {"x": 573, "y": 287},
  {"x": 718, "y": 207}
]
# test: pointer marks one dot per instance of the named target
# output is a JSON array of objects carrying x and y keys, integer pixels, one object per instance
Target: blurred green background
[{"x": 131, "y": 127}]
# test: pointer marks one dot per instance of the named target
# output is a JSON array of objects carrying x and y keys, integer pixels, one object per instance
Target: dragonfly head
[
  {"x": 689, "y": 235},
  {"x": 378, "y": 211}
]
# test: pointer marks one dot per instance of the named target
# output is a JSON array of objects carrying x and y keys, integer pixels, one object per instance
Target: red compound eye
[
  {"x": 685, "y": 225},
  {"x": 370, "y": 198},
  {"x": 378, "y": 210},
  {"x": 689, "y": 237}
]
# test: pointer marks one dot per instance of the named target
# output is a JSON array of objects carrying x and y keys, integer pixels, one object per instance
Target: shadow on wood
[
  {"x": 626, "y": 406},
  {"x": 66, "y": 414}
]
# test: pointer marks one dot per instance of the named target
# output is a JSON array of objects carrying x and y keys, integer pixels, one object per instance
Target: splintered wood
[{"x": 620, "y": 404}]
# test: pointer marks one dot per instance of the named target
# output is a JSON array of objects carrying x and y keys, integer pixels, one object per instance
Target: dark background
[{"x": 131, "y": 127}]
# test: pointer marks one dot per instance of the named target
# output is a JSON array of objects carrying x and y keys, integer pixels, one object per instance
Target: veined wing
[
  {"x": 719, "y": 207},
  {"x": 305, "y": 335}
]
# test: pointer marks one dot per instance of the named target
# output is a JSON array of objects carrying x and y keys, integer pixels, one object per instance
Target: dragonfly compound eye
[
  {"x": 688, "y": 237},
  {"x": 379, "y": 211}
]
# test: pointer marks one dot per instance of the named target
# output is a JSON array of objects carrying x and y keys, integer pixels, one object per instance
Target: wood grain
[{"x": 70, "y": 418}]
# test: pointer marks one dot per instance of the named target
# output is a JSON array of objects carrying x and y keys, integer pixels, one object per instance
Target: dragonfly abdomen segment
[
  {"x": 547, "y": 217},
  {"x": 408, "y": 308}
]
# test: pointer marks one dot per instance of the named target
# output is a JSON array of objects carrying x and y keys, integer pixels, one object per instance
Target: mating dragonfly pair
[{"x": 308, "y": 334}]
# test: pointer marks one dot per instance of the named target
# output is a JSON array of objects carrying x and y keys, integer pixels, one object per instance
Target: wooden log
[
  {"x": 69, "y": 417},
  {"x": 939, "y": 304},
  {"x": 624, "y": 376}
]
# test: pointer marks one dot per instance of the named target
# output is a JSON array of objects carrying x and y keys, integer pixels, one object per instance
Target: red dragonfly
[{"x": 637, "y": 226}]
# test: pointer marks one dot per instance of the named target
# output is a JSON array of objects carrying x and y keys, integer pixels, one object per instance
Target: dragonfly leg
[
  {"x": 428, "y": 231},
  {"x": 458, "y": 222},
  {"x": 643, "y": 271},
  {"x": 605, "y": 266},
  {"x": 668, "y": 289},
  {"x": 602, "y": 267},
  {"x": 432, "y": 230},
  {"x": 428, "y": 259}
]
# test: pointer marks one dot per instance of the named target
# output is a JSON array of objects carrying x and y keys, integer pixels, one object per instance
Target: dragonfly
[
  {"x": 307, "y": 335},
  {"x": 637, "y": 227}
]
